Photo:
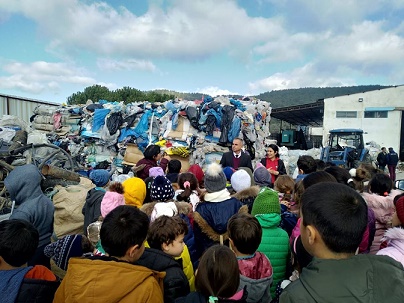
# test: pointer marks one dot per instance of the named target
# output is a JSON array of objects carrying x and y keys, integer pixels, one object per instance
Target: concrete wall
[{"x": 384, "y": 131}]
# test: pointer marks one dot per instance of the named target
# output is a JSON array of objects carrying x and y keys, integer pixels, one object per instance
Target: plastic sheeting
[{"x": 101, "y": 131}]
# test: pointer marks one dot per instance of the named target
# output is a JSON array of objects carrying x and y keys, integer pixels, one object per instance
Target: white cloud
[
  {"x": 38, "y": 76},
  {"x": 306, "y": 76},
  {"x": 366, "y": 45},
  {"x": 188, "y": 30},
  {"x": 128, "y": 64},
  {"x": 215, "y": 91}
]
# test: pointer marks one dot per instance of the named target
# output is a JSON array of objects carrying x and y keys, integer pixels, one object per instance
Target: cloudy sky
[{"x": 51, "y": 49}]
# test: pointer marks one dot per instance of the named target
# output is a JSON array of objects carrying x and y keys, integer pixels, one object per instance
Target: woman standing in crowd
[
  {"x": 272, "y": 163},
  {"x": 152, "y": 158}
]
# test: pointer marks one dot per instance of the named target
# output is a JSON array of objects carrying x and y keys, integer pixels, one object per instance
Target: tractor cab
[{"x": 345, "y": 148}]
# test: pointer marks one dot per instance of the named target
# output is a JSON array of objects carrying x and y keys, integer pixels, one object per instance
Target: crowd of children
[{"x": 218, "y": 235}]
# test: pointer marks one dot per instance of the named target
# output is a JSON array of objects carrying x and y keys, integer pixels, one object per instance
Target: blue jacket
[
  {"x": 210, "y": 222},
  {"x": 392, "y": 158}
]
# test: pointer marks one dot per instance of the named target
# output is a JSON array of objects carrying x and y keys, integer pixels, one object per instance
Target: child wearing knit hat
[
  {"x": 262, "y": 177},
  {"x": 92, "y": 207},
  {"x": 241, "y": 184},
  {"x": 215, "y": 179},
  {"x": 275, "y": 241},
  {"x": 156, "y": 171},
  {"x": 211, "y": 215},
  {"x": 161, "y": 189},
  {"x": 100, "y": 177},
  {"x": 68, "y": 247}
]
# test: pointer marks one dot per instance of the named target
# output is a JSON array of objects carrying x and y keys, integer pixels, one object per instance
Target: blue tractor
[{"x": 345, "y": 148}]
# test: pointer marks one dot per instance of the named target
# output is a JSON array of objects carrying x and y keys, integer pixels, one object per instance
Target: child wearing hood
[
  {"x": 24, "y": 185},
  {"x": 244, "y": 191}
]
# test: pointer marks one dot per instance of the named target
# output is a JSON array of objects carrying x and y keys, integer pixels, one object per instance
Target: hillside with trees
[
  {"x": 278, "y": 98},
  {"x": 291, "y": 97}
]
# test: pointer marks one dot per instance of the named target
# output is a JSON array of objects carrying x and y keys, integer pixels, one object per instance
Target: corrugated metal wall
[{"x": 20, "y": 107}]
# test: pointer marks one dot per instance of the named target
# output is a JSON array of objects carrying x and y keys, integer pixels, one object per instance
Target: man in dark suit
[{"x": 236, "y": 158}]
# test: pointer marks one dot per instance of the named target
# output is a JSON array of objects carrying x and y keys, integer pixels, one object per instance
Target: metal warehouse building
[{"x": 20, "y": 107}]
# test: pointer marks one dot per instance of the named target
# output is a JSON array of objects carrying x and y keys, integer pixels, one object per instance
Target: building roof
[
  {"x": 310, "y": 114},
  {"x": 29, "y": 100}
]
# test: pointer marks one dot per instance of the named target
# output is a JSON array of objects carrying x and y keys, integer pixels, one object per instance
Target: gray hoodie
[{"x": 24, "y": 185}]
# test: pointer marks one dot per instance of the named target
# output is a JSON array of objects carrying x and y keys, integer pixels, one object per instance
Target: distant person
[
  {"x": 306, "y": 165},
  {"x": 321, "y": 165},
  {"x": 272, "y": 163},
  {"x": 382, "y": 159},
  {"x": 392, "y": 160},
  {"x": 236, "y": 158},
  {"x": 334, "y": 218},
  {"x": 152, "y": 157},
  {"x": 173, "y": 170}
]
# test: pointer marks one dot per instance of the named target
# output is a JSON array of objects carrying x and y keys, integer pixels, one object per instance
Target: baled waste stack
[{"x": 192, "y": 131}]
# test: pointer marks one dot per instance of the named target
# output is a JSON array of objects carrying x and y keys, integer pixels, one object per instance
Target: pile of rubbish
[{"x": 106, "y": 133}]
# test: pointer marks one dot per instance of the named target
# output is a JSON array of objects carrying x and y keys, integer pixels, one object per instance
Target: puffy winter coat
[
  {"x": 105, "y": 279},
  {"x": 175, "y": 282},
  {"x": 256, "y": 276},
  {"x": 275, "y": 245},
  {"x": 395, "y": 246},
  {"x": 383, "y": 207},
  {"x": 361, "y": 278},
  {"x": 247, "y": 196},
  {"x": 210, "y": 222},
  {"x": 144, "y": 173}
]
